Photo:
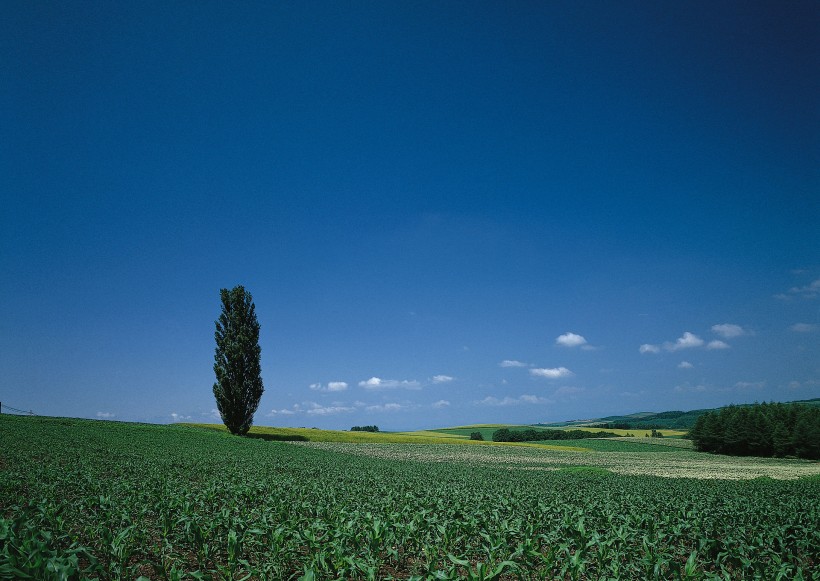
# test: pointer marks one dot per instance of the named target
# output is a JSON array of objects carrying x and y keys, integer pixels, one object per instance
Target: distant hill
[{"x": 671, "y": 420}]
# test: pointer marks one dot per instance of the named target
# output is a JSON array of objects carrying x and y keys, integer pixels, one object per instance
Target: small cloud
[
  {"x": 512, "y": 363},
  {"x": 686, "y": 341},
  {"x": 798, "y": 385},
  {"x": 282, "y": 412},
  {"x": 728, "y": 330},
  {"x": 750, "y": 385},
  {"x": 388, "y": 407},
  {"x": 314, "y": 409},
  {"x": 507, "y": 401},
  {"x": 376, "y": 383},
  {"x": 809, "y": 291},
  {"x": 331, "y": 386},
  {"x": 685, "y": 365},
  {"x": 175, "y": 417},
  {"x": 442, "y": 403},
  {"x": 532, "y": 399},
  {"x": 647, "y": 348},
  {"x": 717, "y": 345},
  {"x": 551, "y": 373},
  {"x": 690, "y": 388},
  {"x": 106, "y": 415},
  {"x": 494, "y": 401},
  {"x": 803, "y": 328},
  {"x": 570, "y": 340},
  {"x": 442, "y": 378}
]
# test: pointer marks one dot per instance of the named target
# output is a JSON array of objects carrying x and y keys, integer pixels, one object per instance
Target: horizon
[{"x": 446, "y": 215}]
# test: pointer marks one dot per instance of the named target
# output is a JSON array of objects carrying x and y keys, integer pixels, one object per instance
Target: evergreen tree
[
  {"x": 238, "y": 386},
  {"x": 760, "y": 430},
  {"x": 782, "y": 441}
]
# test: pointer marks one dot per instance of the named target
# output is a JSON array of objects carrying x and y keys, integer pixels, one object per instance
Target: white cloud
[
  {"x": 551, "y": 373},
  {"x": 388, "y": 407},
  {"x": 810, "y": 291},
  {"x": 803, "y": 328},
  {"x": 512, "y": 363},
  {"x": 214, "y": 413},
  {"x": 717, "y": 345},
  {"x": 532, "y": 399},
  {"x": 688, "y": 388},
  {"x": 685, "y": 365},
  {"x": 175, "y": 417},
  {"x": 106, "y": 415},
  {"x": 282, "y": 412},
  {"x": 442, "y": 378},
  {"x": 375, "y": 383},
  {"x": 314, "y": 409},
  {"x": 528, "y": 399},
  {"x": 331, "y": 386},
  {"x": 647, "y": 348},
  {"x": 570, "y": 340},
  {"x": 442, "y": 403},
  {"x": 750, "y": 384},
  {"x": 728, "y": 330},
  {"x": 687, "y": 341},
  {"x": 799, "y": 385}
]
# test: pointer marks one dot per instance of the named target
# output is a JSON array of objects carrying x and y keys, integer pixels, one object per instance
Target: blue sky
[{"x": 447, "y": 213}]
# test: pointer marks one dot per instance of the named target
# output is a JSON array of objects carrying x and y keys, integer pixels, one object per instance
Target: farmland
[{"x": 108, "y": 500}]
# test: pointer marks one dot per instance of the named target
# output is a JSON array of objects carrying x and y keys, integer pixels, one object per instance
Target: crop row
[{"x": 105, "y": 500}]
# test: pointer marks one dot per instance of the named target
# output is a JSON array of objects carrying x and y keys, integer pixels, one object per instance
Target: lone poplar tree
[{"x": 238, "y": 386}]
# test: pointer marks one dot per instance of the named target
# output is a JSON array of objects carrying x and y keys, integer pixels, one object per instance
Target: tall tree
[{"x": 238, "y": 386}]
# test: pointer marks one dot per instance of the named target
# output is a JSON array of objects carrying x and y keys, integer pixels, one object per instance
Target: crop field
[
  {"x": 106, "y": 500},
  {"x": 487, "y": 430},
  {"x": 346, "y": 437}
]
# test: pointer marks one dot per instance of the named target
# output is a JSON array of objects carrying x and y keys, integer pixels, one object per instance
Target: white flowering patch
[{"x": 682, "y": 464}]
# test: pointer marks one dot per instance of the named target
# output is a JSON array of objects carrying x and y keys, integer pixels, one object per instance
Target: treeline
[
  {"x": 613, "y": 426},
  {"x": 628, "y": 426},
  {"x": 769, "y": 429},
  {"x": 364, "y": 429},
  {"x": 530, "y": 435}
]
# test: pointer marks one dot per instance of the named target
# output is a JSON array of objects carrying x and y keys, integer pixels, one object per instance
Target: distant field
[
  {"x": 82, "y": 499},
  {"x": 341, "y": 436},
  {"x": 615, "y": 457},
  {"x": 639, "y": 432},
  {"x": 630, "y": 445},
  {"x": 487, "y": 430}
]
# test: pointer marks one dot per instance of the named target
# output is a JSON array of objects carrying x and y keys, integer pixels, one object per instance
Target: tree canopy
[
  {"x": 769, "y": 429},
  {"x": 237, "y": 360}
]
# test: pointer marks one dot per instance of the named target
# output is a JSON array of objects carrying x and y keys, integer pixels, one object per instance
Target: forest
[{"x": 768, "y": 429}]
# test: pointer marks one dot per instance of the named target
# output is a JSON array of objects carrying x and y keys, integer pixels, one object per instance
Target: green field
[
  {"x": 348, "y": 437},
  {"x": 487, "y": 430},
  {"x": 107, "y": 500}
]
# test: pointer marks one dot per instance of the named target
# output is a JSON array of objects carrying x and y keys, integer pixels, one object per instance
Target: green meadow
[{"x": 105, "y": 500}]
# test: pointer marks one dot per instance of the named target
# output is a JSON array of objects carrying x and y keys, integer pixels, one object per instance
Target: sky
[{"x": 446, "y": 212}]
